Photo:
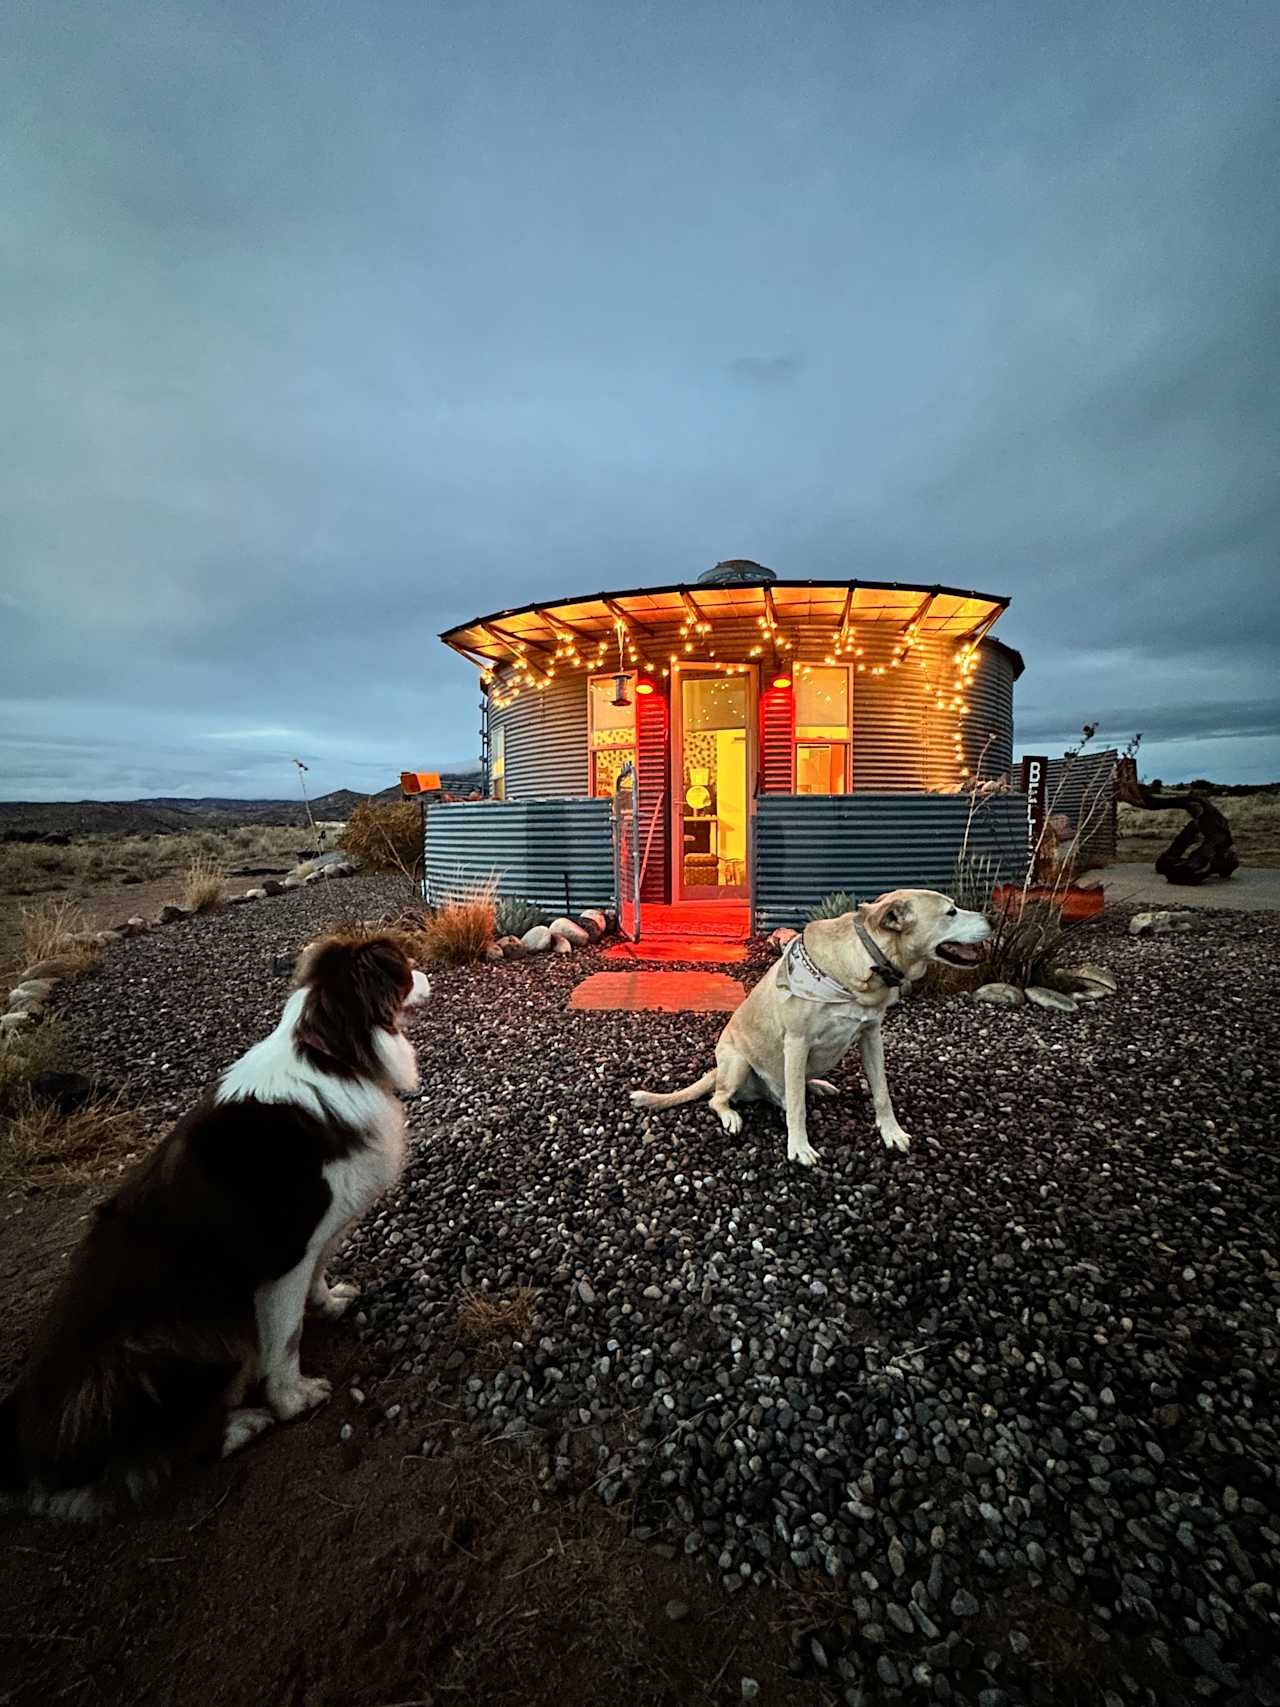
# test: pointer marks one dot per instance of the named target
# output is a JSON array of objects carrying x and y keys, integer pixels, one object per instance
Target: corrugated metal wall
[
  {"x": 810, "y": 846},
  {"x": 990, "y": 700},
  {"x": 1083, "y": 790},
  {"x": 531, "y": 847},
  {"x": 546, "y": 736},
  {"x": 902, "y": 741}
]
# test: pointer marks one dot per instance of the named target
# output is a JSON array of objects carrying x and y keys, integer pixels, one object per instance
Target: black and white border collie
[{"x": 191, "y": 1286}]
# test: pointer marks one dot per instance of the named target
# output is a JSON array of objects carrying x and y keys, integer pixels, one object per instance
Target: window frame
[{"x": 799, "y": 740}]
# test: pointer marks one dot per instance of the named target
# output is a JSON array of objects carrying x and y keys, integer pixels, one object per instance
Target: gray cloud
[{"x": 323, "y": 332}]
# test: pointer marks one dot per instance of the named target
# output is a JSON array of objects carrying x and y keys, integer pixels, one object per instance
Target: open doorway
[{"x": 713, "y": 773}]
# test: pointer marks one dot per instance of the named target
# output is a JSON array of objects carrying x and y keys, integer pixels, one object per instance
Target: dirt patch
[{"x": 322, "y": 1572}]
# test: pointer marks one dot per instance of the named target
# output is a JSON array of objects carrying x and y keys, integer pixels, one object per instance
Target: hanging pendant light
[{"x": 620, "y": 694}]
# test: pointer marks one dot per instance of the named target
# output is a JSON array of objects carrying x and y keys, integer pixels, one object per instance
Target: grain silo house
[{"x": 730, "y": 751}]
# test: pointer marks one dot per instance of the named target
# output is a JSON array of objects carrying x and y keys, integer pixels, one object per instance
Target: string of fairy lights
[{"x": 533, "y": 668}]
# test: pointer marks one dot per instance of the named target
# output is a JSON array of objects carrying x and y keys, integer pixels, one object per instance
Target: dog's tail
[{"x": 669, "y": 1099}]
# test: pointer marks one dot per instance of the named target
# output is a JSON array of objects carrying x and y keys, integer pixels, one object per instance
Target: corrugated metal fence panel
[
  {"x": 1083, "y": 790},
  {"x": 810, "y": 846},
  {"x": 531, "y": 847},
  {"x": 546, "y": 736}
]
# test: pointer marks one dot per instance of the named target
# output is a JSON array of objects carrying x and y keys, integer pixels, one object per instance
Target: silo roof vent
[{"x": 735, "y": 569}]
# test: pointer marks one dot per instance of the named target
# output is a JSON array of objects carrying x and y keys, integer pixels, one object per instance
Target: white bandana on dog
[{"x": 798, "y": 976}]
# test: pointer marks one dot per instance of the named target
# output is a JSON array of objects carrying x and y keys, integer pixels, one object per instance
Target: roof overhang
[{"x": 542, "y": 629}]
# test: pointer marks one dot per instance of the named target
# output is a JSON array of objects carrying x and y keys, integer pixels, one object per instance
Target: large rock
[
  {"x": 537, "y": 939},
  {"x": 173, "y": 914},
  {"x": 781, "y": 937},
  {"x": 570, "y": 932},
  {"x": 105, "y": 939},
  {"x": 30, "y": 1005},
  {"x": 272, "y": 886},
  {"x": 562, "y": 945},
  {"x": 1090, "y": 983},
  {"x": 237, "y": 900},
  {"x": 1046, "y": 998},
  {"x": 40, "y": 988},
  {"x": 51, "y": 969},
  {"x": 1092, "y": 973},
  {"x": 1159, "y": 924},
  {"x": 10, "y": 1023},
  {"x": 293, "y": 881},
  {"x": 512, "y": 948},
  {"x": 594, "y": 922},
  {"x": 258, "y": 894},
  {"x": 999, "y": 995},
  {"x": 492, "y": 951}
]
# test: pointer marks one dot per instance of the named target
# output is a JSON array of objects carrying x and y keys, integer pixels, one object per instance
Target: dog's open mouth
[{"x": 959, "y": 953}]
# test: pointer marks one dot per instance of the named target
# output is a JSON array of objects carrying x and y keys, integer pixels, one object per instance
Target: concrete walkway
[{"x": 1251, "y": 889}]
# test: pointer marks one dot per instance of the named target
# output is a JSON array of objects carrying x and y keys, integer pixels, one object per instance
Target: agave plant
[
  {"x": 834, "y": 906},
  {"x": 513, "y": 915}
]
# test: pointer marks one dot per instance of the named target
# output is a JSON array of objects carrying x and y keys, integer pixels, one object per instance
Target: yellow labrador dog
[{"x": 834, "y": 982}]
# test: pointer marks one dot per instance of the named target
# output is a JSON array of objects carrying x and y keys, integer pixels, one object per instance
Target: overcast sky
[{"x": 325, "y": 327}]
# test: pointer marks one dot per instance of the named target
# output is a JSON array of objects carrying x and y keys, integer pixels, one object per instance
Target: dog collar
[
  {"x": 798, "y": 976},
  {"x": 892, "y": 975}
]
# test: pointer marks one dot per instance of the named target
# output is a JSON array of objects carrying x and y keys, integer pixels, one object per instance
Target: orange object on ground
[
  {"x": 657, "y": 992},
  {"x": 1076, "y": 902}
]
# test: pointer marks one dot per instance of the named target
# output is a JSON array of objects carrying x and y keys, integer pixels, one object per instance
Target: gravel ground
[{"x": 1001, "y": 1411}]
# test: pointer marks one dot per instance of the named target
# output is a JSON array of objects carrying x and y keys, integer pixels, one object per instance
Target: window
[
  {"x": 613, "y": 731},
  {"x": 822, "y": 729},
  {"x": 498, "y": 762}
]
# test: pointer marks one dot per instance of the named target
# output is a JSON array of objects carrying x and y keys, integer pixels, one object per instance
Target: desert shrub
[
  {"x": 513, "y": 915},
  {"x": 203, "y": 887},
  {"x": 385, "y": 835},
  {"x": 1028, "y": 945},
  {"x": 460, "y": 931},
  {"x": 57, "y": 930},
  {"x": 834, "y": 906},
  {"x": 973, "y": 878}
]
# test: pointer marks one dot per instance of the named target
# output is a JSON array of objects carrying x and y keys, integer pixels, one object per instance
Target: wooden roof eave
[{"x": 461, "y": 638}]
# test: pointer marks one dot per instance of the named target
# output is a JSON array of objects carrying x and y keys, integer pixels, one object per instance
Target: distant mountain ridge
[{"x": 167, "y": 814}]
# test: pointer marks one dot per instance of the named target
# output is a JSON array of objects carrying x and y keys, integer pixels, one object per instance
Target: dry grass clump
[
  {"x": 57, "y": 930},
  {"x": 386, "y": 835},
  {"x": 490, "y": 1321},
  {"x": 460, "y": 931},
  {"x": 39, "y": 1145},
  {"x": 204, "y": 888}
]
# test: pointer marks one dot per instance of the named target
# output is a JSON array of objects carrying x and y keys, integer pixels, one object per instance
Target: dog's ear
[
  {"x": 355, "y": 987},
  {"x": 893, "y": 914},
  {"x": 382, "y": 979}
]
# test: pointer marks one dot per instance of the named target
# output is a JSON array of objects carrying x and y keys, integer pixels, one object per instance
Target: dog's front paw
[
  {"x": 335, "y": 1302},
  {"x": 299, "y": 1396},
  {"x": 804, "y": 1153},
  {"x": 730, "y": 1119},
  {"x": 894, "y": 1138}
]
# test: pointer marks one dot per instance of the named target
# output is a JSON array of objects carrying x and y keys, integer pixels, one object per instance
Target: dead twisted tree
[{"x": 1203, "y": 849}]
